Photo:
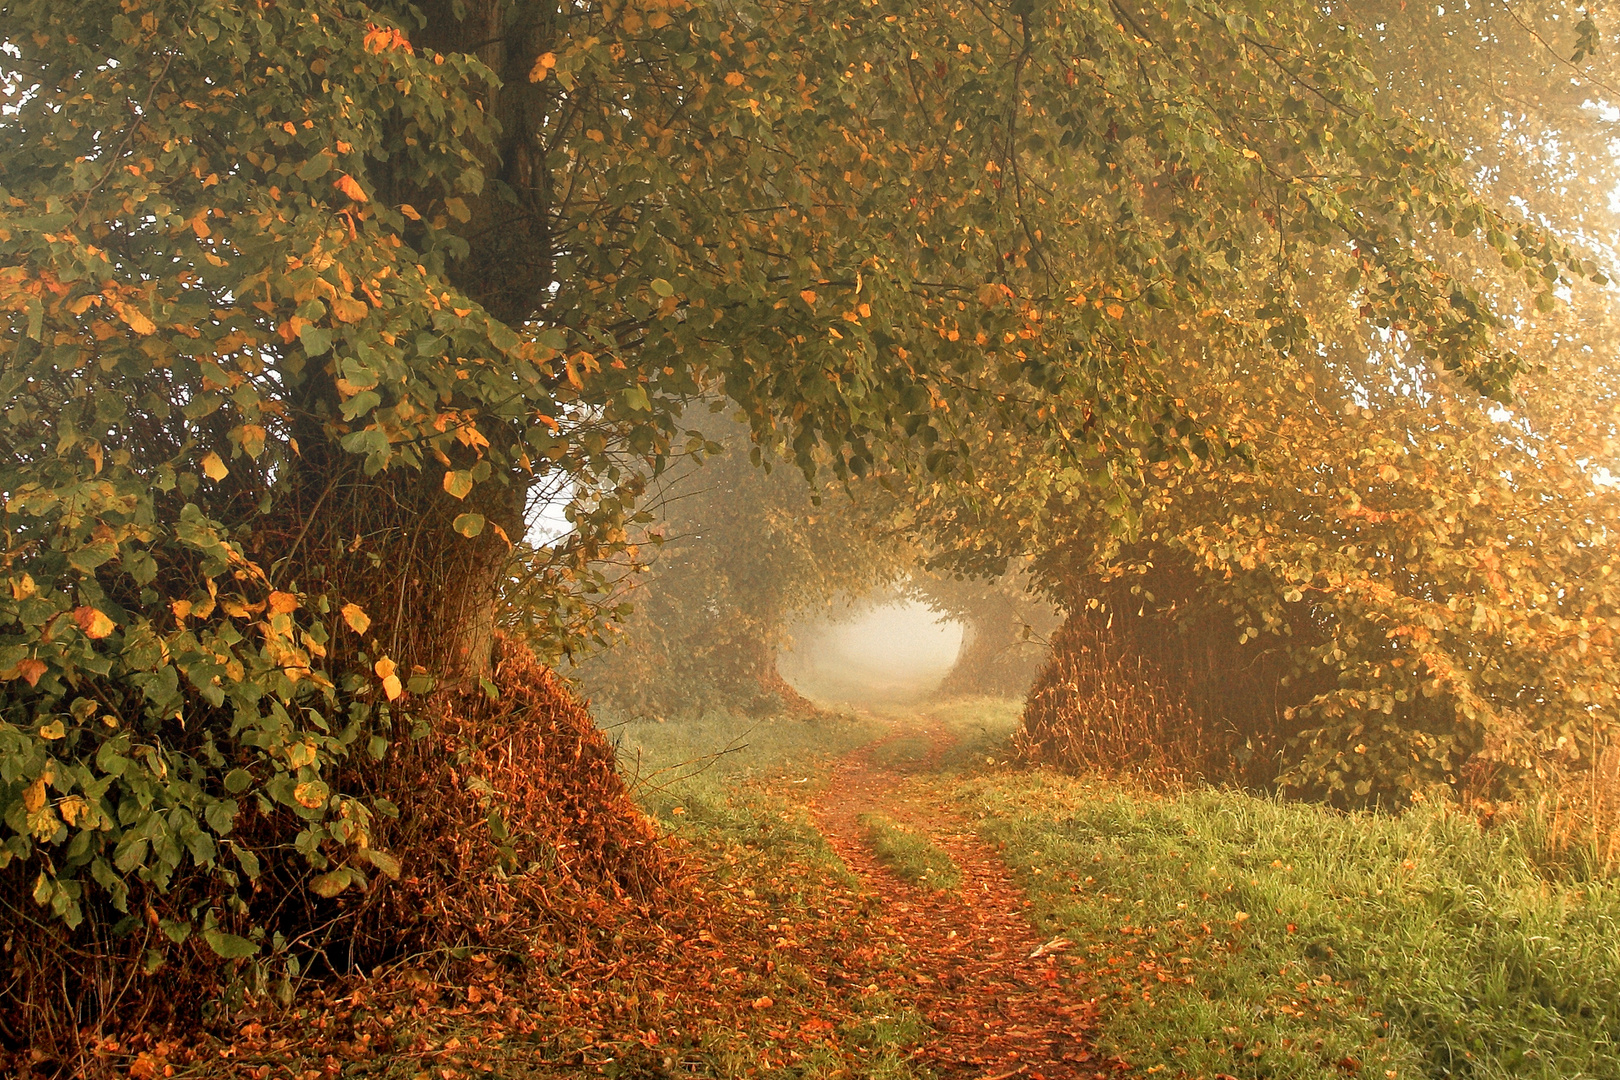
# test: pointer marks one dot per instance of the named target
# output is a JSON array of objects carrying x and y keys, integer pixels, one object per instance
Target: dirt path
[{"x": 988, "y": 984}]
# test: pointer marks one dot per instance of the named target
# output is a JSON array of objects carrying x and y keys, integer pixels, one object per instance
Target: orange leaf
[
  {"x": 350, "y": 187},
  {"x": 134, "y": 318},
  {"x": 28, "y": 670},
  {"x": 357, "y": 619},
  {"x": 283, "y": 603},
  {"x": 92, "y": 622}
]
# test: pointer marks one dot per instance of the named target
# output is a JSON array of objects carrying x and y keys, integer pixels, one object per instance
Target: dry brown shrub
[
  {"x": 1099, "y": 708},
  {"x": 1166, "y": 701},
  {"x": 529, "y": 818}
]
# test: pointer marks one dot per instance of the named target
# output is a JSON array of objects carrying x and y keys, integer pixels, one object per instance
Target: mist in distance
[{"x": 887, "y": 653}]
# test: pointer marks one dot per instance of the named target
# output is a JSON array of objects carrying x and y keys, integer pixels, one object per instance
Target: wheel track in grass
[{"x": 987, "y": 983}]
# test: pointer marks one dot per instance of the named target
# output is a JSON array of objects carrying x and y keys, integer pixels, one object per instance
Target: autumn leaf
[
  {"x": 252, "y": 436},
  {"x": 468, "y": 525},
  {"x": 330, "y": 885},
  {"x": 357, "y": 619},
  {"x": 34, "y": 796},
  {"x": 387, "y": 671},
  {"x": 93, "y": 622},
  {"x": 458, "y": 483},
  {"x": 312, "y": 794},
  {"x": 135, "y": 319},
  {"x": 283, "y": 603},
  {"x": 350, "y": 187},
  {"x": 29, "y": 670},
  {"x": 213, "y": 467},
  {"x": 542, "y": 66}
]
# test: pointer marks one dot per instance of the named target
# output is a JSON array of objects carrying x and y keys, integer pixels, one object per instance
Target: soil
[{"x": 990, "y": 986}]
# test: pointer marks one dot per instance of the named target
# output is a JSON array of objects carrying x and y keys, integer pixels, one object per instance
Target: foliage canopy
[{"x": 305, "y": 298}]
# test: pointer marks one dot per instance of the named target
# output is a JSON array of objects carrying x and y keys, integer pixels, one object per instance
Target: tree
[
  {"x": 1389, "y": 589},
  {"x": 304, "y": 298}
]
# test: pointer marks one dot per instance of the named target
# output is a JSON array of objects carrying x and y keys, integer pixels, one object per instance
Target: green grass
[
  {"x": 1243, "y": 936},
  {"x": 912, "y": 857}
]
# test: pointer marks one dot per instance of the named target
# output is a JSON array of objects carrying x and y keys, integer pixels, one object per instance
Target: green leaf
[
  {"x": 468, "y": 525},
  {"x": 229, "y": 946},
  {"x": 382, "y": 861},
  {"x": 316, "y": 340},
  {"x": 316, "y": 167}
]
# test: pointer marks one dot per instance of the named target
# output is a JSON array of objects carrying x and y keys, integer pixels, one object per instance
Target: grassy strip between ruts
[
  {"x": 912, "y": 857},
  {"x": 1239, "y": 936}
]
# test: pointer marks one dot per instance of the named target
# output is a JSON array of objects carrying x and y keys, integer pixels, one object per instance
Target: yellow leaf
[
  {"x": 357, "y": 619},
  {"x": 384, "y": 668},
  {"x": 1116, "y": 311},
  {"x": 134, "y": 318},
  {"x": 458, "y": 482},
  {"x": 34, "y": 796},
  {"x": 72, "y": 808},
  {"x": 283, "y": 603},
  {"x": 410, "y": 211},
  {"x": 311, "y": 794},
  {"x": 735, "y": 78},
  {"x": 346, "y": 309},
  {"x": 808, "y": 296},
  {"x": 253, "y": 437},
  {"x": 348, "y": 185},
  {"x": 181, "y": 608},
  {"x": 213, "y": 467},
  {"x": 92, "y": 622},
  {"x": 391, "y": 687},
  {"x": 542, "y": 65}
]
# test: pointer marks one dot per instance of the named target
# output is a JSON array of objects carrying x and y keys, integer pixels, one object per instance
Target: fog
[{"x": 885, "y": 653}]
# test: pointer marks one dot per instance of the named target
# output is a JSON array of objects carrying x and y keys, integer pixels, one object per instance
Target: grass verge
[{"x": 1233, "y": 935}]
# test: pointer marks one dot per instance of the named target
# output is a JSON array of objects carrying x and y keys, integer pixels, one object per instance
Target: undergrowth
[{"x": 1230, "y": 934}]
